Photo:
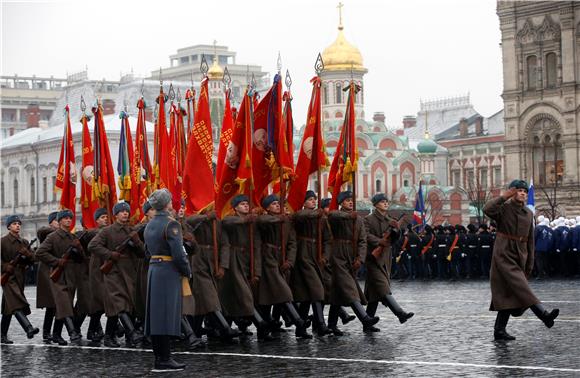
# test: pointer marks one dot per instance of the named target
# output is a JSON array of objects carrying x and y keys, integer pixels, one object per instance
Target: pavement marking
[
  {"x": 402, "y": 300},
  {"x": 306, "y": 358},
  {"x": 559, "y": 319}
]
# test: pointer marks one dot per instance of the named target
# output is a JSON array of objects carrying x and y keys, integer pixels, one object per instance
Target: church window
[
  {"x": 53, "y": 188},
  {"x": 456, "y": 178},
  {"x": 551, "y": 70},
  {"x": 338, "y": 115},
  {"x": 15, "y": 187},
  {"x": 497, "y": 181},
  {"x": 32, "y": 191},
  {"x": 45, "y": 189},
  {"x": 532, "y": 71},
  {"x": 470, "y": 179},
  {"x": 338, "y": 94},
  {"x": 325, "y": 94},
  {"x": 483, "y": 178},
  {"x": 406, "y": 183},
  {"x": 378, "y": 186}
]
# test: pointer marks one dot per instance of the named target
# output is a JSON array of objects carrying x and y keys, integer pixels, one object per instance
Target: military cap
[
  {"x": 99, "y": 213},
  {"x": 343, "y": 196},
  {"x": 239, "y": 199},
  {"x": 52, "y": 216},
  {"x": 309, "y": 194},
  {"x": 519, "y": 184},
  {"x": 159, "y": 199},
  {"x": 65, "y": 213},
  {"x": 268, "y": 200},
  {"x": 12, "y": 219},
  {"x": 378, "y": 198},
  {"x": 121, "y": 206}
]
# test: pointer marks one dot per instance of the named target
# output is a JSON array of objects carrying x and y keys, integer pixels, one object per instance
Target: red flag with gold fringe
[
  {"x": 88, "y": 204},
  {"x": 104, "y": 189},
  {"x": 66, "y": 176},
  {"x": 141, "y": 171},
  {"x": 226, "y": 135}
]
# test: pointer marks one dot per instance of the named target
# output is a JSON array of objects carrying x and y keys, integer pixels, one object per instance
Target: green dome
[{"x": 427, "y": 146}]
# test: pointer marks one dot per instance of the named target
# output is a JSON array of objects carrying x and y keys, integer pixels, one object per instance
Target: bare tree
[{"x": 478, "y": 195}]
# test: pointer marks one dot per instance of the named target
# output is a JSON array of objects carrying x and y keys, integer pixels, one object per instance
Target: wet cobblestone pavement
[{"x": 450, "y": 335}]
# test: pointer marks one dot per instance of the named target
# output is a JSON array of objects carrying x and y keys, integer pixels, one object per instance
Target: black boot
[
  {"x": 301, "y": 325},
  {"x": 262, "y": 327},
  {"x": 75, "y": 337},
  {"x": 165, "y": 362},
  {"x": 544, "y": 315},
  {"x": 57, "y": 332},
  {"x": 345, "y": 318},
  {"x": 47, "y": 325},
  {"x": 132, "y": 338},
  {"x": 392, "y": 304},
  {"x": 362, "y": 315},
  {"x": 191, "y": 339},
  {"x": 499, "y": 332},
  {"x": 25, "y": 324},
  {"x": 5, "y": 325},
  {"x": 371, "y": 311},
  {"x": 333, "y": 320},
  {"x": 95, "y": 332},
  {"x": 110, "y": 340},
  {"x": 318, "y": 316},
  {"x": 226, "y": 331},
  {"x": 78, "y": 322}
]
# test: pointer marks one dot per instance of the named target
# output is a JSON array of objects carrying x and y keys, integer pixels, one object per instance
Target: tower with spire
[
  {"x": 215, "y": 75},
  {"x": 427, "y": 149}
]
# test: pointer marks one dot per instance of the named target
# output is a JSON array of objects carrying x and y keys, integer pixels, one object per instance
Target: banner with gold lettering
[
  {"x": 104, "y": 188},
  {"x": 66, "y": 176},
  {"x": 141, "y": 171},
  {"x": 88, "y": 204}
]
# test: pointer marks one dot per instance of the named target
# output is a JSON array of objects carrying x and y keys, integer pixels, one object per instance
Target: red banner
[
  {"x": 88, "y": 204},
  {"x": 161, "y": 152},
  {"x": 141, "y": 172},
  {"x": 66, "y": 176},
  {"x": 226, "y": 135},
  {"x": 104, "y": 189}
]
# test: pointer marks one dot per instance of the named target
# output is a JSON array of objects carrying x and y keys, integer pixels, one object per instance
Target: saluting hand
[{"x": 509, "y": 193}]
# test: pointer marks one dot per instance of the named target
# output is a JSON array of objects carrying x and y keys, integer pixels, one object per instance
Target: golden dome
[
  {"x": 215, "y": 72},
  {"x": 341, "y": 55}
]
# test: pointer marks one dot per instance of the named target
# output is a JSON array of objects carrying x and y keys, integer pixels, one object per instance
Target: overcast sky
[{"x": 413, "y": 49}]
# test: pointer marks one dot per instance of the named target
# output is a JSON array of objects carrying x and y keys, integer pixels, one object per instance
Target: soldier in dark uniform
[
  {"x": 273, "y": 288},
  {"x": 411, "y": 260},
  {"x": 168, "y": 275},
  {"x": 16, "y": 256},
  {"x": 427, "y": 243},
  {"x": 440, "y": 252},
  {"x": 575, "y": 246},
  {"x": 347, "y": 229},
  {"x": 544, "y": 243},
  {"x": 485, "y": 246},
  {"x": 119, "y": 245},
  {"x": 561, "y": 247},
  {"x": 44, "y": 298},
  {"x": 62, "y": 249},
  {"x": 513, "y": 260},
  {"x": 472, "y": 265},
  {"x": 381, "y": 232},
  {"x": 236, "y": 288},
  {"x": 454, "y": 258},
  {"x": 142, "y": 268}
]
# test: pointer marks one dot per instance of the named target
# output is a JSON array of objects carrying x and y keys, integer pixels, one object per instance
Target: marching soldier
[
  {"x": 81, "y": 278},
  {"x": 16, "y": 256},
  {"x": 485, "y": 243},
  {"x": 513, "y": 260},
  {"x": 472, "y": 265},
  {"x": 142, "y": 267},
  {"x": 60, "y": 250},
  {"x": 381, "y": 232},
  {"x": 44, "y": 298},
  {"x": 348, "y": 253},
  {"x": 276, "y": 233},
  {"x": 167, "y": 282},
  {"x": 119, "y": 246}
]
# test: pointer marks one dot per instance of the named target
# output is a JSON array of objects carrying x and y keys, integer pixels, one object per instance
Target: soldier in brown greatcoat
[
  {"x": 273, "y": 288},
  {"x": 513, "y": 259},
  {"x": 119, "y": 244},
  {"x": 62, "y": 249},
  {"x": 16, "y": 256},
  {"x": 44, "y": 297},
  {"x": 381, "y": 232},
  {"x": 348, "y": 253}
]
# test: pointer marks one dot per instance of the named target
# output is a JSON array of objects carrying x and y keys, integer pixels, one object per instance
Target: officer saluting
[{"x": 168, "y": 267}]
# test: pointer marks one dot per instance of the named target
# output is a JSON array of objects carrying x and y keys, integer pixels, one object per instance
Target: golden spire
[
  {"x": 215, "y": 72},
  {"x": 342, "y": 55}
]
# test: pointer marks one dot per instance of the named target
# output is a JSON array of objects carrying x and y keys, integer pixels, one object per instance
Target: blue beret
[
  {"x": 146, "y": 207},
  {"x": 64, "y": 214},
  {"x": 325, "y": 203},
  {"x": 344, "y": 195},
  {"x": 12, "y": 219},
  {"x": 52, "y": 216},
  {"x": 519, "y": 184},
  {"x": 309, "y": 194},
  {"x": 268, "y": 200},
  {"x": 378, "y": 198},
  {"x": 239, "y": 199},
  {"x": 99, "y": 213},
  {"x": 121, "y": 206}
]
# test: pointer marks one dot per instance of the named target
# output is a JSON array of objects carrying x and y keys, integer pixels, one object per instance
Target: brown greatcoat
[
  {"x": 235, "y": 289},
  {"x": 308, "y": 275},
  {"x": 82, "y": 278},
  {"x": 345, "y": 289},
  {"x": 378, "y": 282},
  {"x": 96, "y": 283},
  {"x": 203, "y": 281},
  {"x": 120, "y": 281},
  {"x": 513, "y": 260},
  {"x": 273, "y": 287},
  {"x": 13, "y": 297},
  {"x": 44, "y": 298},
  {"x": 63, "y": 291}
]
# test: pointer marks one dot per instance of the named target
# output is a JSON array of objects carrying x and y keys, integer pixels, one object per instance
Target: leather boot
[
  {"x": 95, "y": 332},
  {"x": 344, "y": 316},
  {"x": 78, "y": 322},
  {"x": 132, "y": 338},
  {"x": 333, "y": 320},
  {"x": 225, "y": 330},
  {"x": 390, "y": 302},
  {"x": 75, "y": 337},
  {"x": 371, "y": 311},
  {"x": 57, "y": 332},
  {"x": 191, "y": 339},
  {"x": 318, "y": 313},
  {"x": 47, "y": 325},
  {"x": 301, "y": 325},
  {"x": 262, "y": 327},
  {"x": 544, "y": 315},
  {"x": 25, "y": 324},
  {"x": 5, "y": 325},
  {"x": 110, "y": 339},
  {"x": 165, "y": 362},
  {"x": 362, "y": 315},
  {"x": 499, "y": 332}
]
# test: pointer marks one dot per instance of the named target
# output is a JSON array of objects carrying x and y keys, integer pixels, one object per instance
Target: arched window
[
  {"x": 551, "y": 71},
  {"x": 378, "y": 186},
  {"x": 338, "y": 115},
  {"x": 15, "y": 187},
  {"x": 325, "y": 94},
  {"x": 338, "y": 94},
  {"x": 53, "y": 186},
  {"x": 32, "y": 191},
  {"x": 45, "y": 189},
  {"x": 532, "y": 67},
  {"x": 406, "y": 183}
]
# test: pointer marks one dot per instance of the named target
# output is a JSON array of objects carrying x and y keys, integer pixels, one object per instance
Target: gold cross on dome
[{"x": 339, "y": 6}]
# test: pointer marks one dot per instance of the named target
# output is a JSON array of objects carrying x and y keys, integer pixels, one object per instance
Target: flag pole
[{"x": 318, "y": 68}]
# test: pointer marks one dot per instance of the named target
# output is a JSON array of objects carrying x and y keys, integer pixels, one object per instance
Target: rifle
[
  {"x": 128, "y": 242},
  {"x": 379, "y": 249},
  {"x": 22, "y": 257},
  {"x": 73, "y": 252}
]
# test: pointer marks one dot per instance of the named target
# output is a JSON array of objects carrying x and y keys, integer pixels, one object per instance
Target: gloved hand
[
  {"x": 356, "y": 264},
  {"x": 115, "y": 256},
  {"x": 377, "y": 253},
  {"x": 255, "y": 281},
  {"x": 220, "y": 273},
  {"x": 61, "y": 263}
]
